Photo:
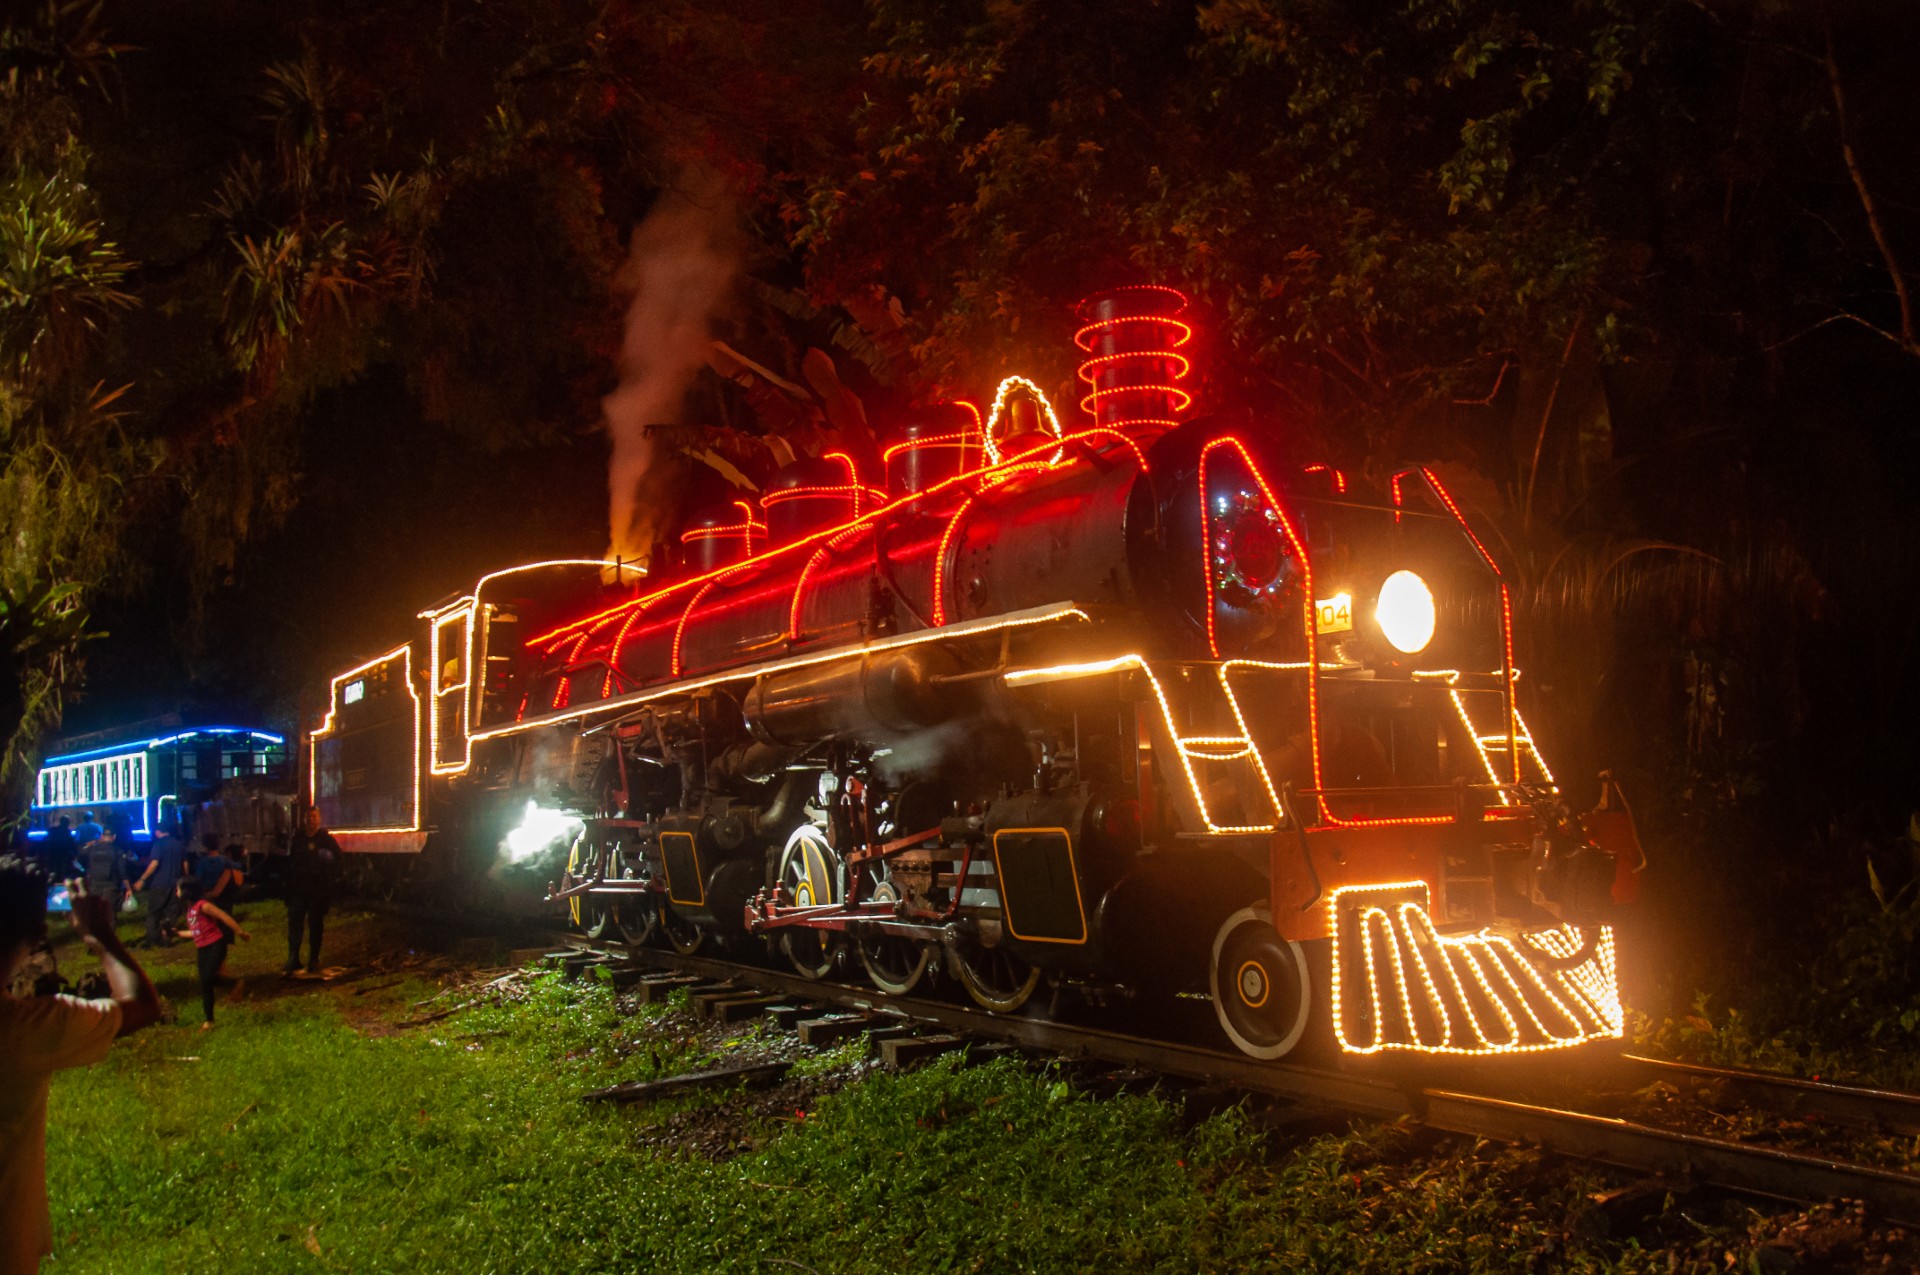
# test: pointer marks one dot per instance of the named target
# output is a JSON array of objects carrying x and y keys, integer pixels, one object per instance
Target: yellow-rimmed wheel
[
  {"x": 627, "y": 918},
  {"x": 810, "y": 876},
  {"x": 585, "y": 910},
  {"x": 1262, "y": 986}
]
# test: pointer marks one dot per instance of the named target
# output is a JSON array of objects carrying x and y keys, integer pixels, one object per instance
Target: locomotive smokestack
[{"x": 1132, "y": 338}]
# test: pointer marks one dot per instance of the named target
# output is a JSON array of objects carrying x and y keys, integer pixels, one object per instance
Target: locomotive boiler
[{"x": 1122, "y": 709}]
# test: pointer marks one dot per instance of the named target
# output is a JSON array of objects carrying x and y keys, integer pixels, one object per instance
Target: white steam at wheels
[{"x": 540, "y": 833}]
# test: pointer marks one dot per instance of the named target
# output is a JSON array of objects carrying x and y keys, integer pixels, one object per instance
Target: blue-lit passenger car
[{"x": 217, "y": 779}]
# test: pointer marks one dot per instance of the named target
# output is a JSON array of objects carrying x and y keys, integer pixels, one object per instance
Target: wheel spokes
[
  {"x": 996, "y": 978},
  {"x": 810, "y": 876}
]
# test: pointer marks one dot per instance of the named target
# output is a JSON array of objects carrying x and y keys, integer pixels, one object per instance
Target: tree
[{"x": 64, "y": 458}]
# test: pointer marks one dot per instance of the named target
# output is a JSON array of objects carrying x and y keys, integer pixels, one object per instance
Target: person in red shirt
[
  {"x": 40, "y": 1035},
  {"x": 208, "y": 927}
]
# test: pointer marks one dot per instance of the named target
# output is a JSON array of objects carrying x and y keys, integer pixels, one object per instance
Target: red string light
[
  {"x": 680, "y": 629},
  {"x": 940, "y": 562},
  {"x": 1286, "y": 524},
  {"x": 747, "y": 528},
  {"x": 846, "y": 491},
  {"x": 1446, "y": 498},
  {"x": 1506, "y": 631},
  {"x": 563, "y": 693},
  {"x": 1513, "y": 706},
  {"x": 1327, "y": 817},
  {"x": 1506, "y": 606},
  {"x": 814, "y": 539},
  {"x": 966, "y": 440},
  {"x": 613, "y": 657},
  {"x": 1339, "y": 479},
  {"x": 1133, "y": 366},
  {"x": 800, "y": 592}
]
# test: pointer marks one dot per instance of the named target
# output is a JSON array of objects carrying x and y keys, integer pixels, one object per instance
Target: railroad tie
[
  {"x": 985, "y": 1051},
  {"x": 908, "y": 1050},
  {"x": 705, "y": 1002},
  {"x": 652, "y": 991},
  {"x": 579, "y": 963},
  {"x": 786, "y": 1015},
  {"x": 752, "y": 1075},
  {"x": 834, "y": 1029},
  {"x": 888, "y": 1034},
  {"x": 740, "y": 1009}
]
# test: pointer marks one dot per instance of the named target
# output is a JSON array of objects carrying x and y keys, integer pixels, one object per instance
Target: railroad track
[
  {"x": 1681, "y": 1157},
  {"x": 1886, "y": 1110}
]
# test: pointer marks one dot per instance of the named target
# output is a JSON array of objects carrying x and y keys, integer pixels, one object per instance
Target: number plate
[{"x": 1335, "y": 613}]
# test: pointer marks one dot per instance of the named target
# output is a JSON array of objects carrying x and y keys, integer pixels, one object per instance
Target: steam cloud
[{"x": 680, "y": 267}]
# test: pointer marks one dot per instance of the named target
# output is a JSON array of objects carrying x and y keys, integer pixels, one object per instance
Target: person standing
[
  {"x": 88, "y": 832},
  {"x": 104, "y": 866},
  {"x": 57, "y": 851},
  {"x": 40, "y": 1035},
  {"x": 313, "y": 865},
  {"x": 161, "y": 881},
  {"x": 212, "y": 931},
  {"x": 224, "y": 889}
]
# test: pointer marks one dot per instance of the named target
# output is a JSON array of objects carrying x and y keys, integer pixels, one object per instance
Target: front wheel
[{"x": 1264, "y": 988}]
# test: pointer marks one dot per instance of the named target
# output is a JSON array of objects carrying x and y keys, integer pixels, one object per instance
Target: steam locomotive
[{"x": 1121, "y": 710}]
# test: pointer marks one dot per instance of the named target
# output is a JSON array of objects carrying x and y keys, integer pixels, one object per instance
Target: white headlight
[{"x": 1405, "y": 612}]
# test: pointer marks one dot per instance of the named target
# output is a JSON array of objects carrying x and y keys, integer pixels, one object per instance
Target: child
[{"x": 205, "y": 923}]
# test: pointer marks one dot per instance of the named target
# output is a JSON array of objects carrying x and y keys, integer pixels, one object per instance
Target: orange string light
[{"x": 404, "y": 652}]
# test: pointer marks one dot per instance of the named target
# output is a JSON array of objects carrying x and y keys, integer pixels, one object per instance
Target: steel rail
[
  {"x": 1887, "y": 1109},
  {"x": 1683, "y": 1157}
]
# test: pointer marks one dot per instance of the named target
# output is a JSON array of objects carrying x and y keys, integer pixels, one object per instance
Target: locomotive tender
[{"x": 1123, "y": 708}]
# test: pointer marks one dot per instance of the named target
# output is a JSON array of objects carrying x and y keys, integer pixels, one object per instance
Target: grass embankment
[
  {"x": 1841, "y": 1004},
  {"x": 308, "y": 1132}
]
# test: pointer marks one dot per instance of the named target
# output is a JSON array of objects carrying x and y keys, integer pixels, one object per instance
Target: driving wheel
[
  {"x": 810, "y": 876},
  {"x": 995, "y": 977},
  {"x": 895, "y": 965}
]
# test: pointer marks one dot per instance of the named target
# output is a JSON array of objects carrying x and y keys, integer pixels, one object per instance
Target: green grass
[{"x": 295, "y": 1138}]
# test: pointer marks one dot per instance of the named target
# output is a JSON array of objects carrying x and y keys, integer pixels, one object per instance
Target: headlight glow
[{"x": 1405, "y": 612}]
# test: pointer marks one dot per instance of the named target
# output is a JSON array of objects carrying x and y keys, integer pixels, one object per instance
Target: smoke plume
[{"x": 680, "y": 268}]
